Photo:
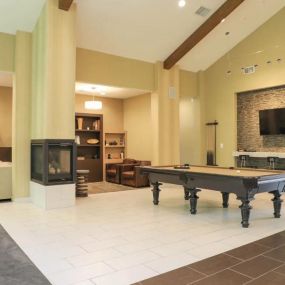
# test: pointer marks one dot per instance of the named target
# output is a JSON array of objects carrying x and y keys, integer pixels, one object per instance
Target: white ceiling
[
  {"x": 241, "y": 23},
  {"x": 6, "y": 79},
  {"x": 146, "y": 29},
  {"x": 19, "y": 15},
  {"x": 108, "y": 91},
  {"x": 151, "y": 30}
]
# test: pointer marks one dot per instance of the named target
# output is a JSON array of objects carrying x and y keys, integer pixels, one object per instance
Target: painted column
[
  {"x": 54, "y": 59},
  {"x": 21, "y": 115},
  {"x": 165, "y": 116}
]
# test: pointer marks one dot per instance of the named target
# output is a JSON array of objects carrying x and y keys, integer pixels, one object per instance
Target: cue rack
[{"x": 211, "y": 143}]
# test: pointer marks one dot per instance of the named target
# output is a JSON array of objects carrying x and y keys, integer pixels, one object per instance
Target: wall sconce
[{"x": 93, "y": 105}]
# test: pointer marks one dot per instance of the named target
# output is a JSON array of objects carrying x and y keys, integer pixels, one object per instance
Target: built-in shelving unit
[
  {"x": 115, "y": 147},
  {"x": 89, "y": 155}
]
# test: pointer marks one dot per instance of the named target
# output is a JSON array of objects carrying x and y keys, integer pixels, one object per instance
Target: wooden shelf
[
  {"x": 87, "y": 131},
  {"x": 86, "y": 159},
  {"x": 113, "y": 160},
  {"x": 88, "y": 145},
  {"x": 122, "y": 146}
]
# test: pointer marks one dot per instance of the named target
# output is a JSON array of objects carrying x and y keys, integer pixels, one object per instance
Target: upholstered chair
[
  {"x": 130, "y": 174},
  {"x": 113, "y": 171}
]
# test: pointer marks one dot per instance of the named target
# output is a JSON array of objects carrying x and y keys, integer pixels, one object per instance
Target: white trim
[{"x": 260, "y": 154}]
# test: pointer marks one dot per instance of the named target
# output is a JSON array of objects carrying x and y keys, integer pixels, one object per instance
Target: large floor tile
[
  {"x": 126, "y": 276},
  {"x": 225, "y": 277},
  {"x": 256, "y": 266},
  {"x": 214, "y": 264}
]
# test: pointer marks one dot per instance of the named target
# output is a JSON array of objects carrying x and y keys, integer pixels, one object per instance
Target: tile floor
[
  {"x": 258, "y": 263},
  {"x": 121, "y": 238}
]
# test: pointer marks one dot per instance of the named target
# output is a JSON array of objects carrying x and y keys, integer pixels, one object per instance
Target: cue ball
[{"x": 238, "y": 171}]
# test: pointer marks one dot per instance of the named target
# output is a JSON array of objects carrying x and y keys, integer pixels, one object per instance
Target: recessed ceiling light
[
  {"x": 181, "y": 3},
  {"x": 91, "y": 88},
  {"x": 223, "y": 20}
]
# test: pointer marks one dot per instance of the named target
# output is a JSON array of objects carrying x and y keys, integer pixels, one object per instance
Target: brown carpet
[{"x": 105, "y": 187}]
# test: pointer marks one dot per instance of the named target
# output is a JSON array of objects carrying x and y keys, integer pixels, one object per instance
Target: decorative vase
[{"x": 79, "y": 123}]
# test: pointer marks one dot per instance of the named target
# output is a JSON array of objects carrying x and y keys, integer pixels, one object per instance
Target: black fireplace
[{"x": 53, "y": 161}]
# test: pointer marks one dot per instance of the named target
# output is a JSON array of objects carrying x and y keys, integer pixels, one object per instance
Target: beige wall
[
  {"x": 220, "y": 88},
  {"x": 5, "y": 116},
  {"x": 137, "y": 123},
  {"x": 112, "y": 111},
  {"x": 106, "y": 69},
  {"x": 7, "y": 48}
]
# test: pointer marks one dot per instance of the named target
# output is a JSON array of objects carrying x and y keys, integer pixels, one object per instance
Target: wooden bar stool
[
  {"x": 81, "y": 183},
  {"x": 272, "y": 160}
]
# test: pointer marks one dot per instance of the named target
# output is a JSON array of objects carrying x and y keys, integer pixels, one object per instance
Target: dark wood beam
[
  {"x": 201, "y": 32},
  {"x": 64, "y": 4}
]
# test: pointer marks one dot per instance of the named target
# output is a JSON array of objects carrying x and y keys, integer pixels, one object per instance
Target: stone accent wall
[{"x": 248, "y": 106}]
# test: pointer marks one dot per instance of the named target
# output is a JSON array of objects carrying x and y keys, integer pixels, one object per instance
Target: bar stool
[
  {"x": 243, "y": 158},
  {"x": 272, "y": 160},
  {"x": 81, "y": 183}
]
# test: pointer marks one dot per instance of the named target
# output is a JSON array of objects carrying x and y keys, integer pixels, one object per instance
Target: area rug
[
  {"x": 15, "y": 267},
  {"x": 105, "y": 187}
]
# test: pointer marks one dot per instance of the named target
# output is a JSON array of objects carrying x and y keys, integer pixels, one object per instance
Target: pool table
[{"x": 243, "y": 182}]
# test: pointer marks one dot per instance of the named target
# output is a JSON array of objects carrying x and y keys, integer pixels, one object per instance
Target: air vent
[
  {"x": 203, "y": 11},
  {"x": 248, "y": 69}
]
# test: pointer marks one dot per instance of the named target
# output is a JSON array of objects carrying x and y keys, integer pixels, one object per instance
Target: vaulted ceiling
[{"x": 149, "y": 30}]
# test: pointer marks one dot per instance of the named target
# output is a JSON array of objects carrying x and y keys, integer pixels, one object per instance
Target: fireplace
[{"x": 53, "y": 161}]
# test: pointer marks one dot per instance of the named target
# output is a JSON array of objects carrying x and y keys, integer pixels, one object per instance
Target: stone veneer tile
[{"x": 248, "y": 106}]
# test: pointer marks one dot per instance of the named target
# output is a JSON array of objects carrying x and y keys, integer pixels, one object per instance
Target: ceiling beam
[
  {"x": 64, "y": 4},
  {"x": 201, "y": 32}
]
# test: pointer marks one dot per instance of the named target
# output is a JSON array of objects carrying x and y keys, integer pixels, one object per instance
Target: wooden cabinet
[{"x": 89, "y": 139}]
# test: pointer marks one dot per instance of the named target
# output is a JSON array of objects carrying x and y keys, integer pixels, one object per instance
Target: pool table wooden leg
[
  {"x": 277, "y": 202},
  {"x": 155, "y": 192},
  {"x": 225, "y": 199},
  {"x": 193, "y": 200},
  {"x": 245, "y": 212},
  {"x": 186, "y": 193}
]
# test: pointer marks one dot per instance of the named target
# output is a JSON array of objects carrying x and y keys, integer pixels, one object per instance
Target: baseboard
[{"x": 22, "y": 200}]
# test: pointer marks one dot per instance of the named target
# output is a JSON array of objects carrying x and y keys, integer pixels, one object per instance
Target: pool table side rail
[{"x": 258, "y": 174}]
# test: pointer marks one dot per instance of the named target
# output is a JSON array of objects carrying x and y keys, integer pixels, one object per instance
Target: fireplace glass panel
[
  {"x": 59, "y": 162},
  {"x": 53, "y": 161},
  {"x": 37, "y": 159}
]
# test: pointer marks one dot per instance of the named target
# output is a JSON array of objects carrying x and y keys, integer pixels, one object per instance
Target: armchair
[
  {"x": 113, "y": 171},
  {"x": 130, "y": 174}
]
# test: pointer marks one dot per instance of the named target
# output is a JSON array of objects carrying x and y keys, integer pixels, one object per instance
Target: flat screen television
[{"x": 272, "y": 122}]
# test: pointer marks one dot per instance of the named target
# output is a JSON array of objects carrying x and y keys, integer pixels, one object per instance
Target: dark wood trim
[
  {"x": 6, "y": 154},
  {"x": 201, "y": 32},
  {"x": 64, "y": 4}
]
